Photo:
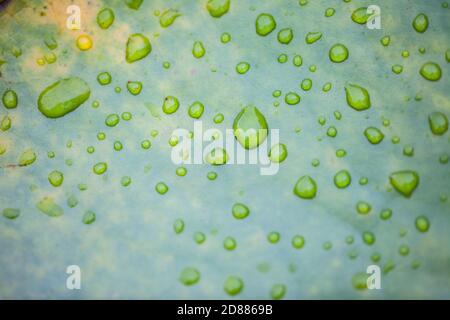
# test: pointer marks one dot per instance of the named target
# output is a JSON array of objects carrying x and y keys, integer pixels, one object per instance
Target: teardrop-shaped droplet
[
  {"x": 168, "y": 17},
  {"x": 360, "y": 15},
  {"x": 305, "y": 188},
  {"x": 357, "y": 97},
  {"x": 285, "y": 36},
  {"x": 250, "y": 127},
  {"x": 312, "y": 37},
  {"x": 198, "y": 50},
  {"x": 170, "y": 104},
  {"x": 138, "y": 47}
]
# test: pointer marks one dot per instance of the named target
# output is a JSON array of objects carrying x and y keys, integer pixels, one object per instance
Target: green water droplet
[
  {"x": 181, "y": 171},
  {"x": 447, "y": 55},
  {"x": 126, "y": 116},
  {"x": 349, "y": 240},
  {"x": 273, "y": 237},
  {"x": 5, "y": 124},
  {"x": 405, "y": 182},
  {"x": 229, "y": 243},
  {"x": 242, "y": 67},
  {"x": 305, "y": 188},
  {"x": 368, "y": 238},
  {"x": 146, "y": 144},
  {"x": 225, "y": 37},
  {"x": 278, "y": 153},
  {"x": 50, "y": 57},
  {"x": 363, "y": 207},
  {"x": 50, "y": 42},
  {"x": 360, "y": 15},
  {"x": 306, "y": 84},
  {"x": 431, "y": 71},
  {"x": 125, "y": 181},
  {"x": 327, "y": 245},
  {"x": 438, "y": 123},
  {"x": 218, "y": 118},
  {"x": 338, "y": 53},
  {"x": 161, "y": 188},
  {"x": 420, "y": 23},
  {"x": 112, "y": 120},
  {"x": 211, "y": 175},
  {"x": 374, "y": 135},
  {"x": 282, "y": 58},
  {"x": 443, "y": 158},
  {"x": 326, "y": 87},
  {"x": 359, "y": 280},
  {"x": 315, "y": 162},
  {"x": 168, "y": 17},
  {"x": 133, "y": 4},
  {"x": 196, "y": 110},
  {"x": 332, "y": 132},
  {"x": 329, "y": 12},
  {"x": 55, "y": 178},
  {"x": 408, "y": 150},
  {"x": 199, "y": 237},
  {"x": 11, "y": 213},
  {"x": 385, "y": 41},
  {"x": 292, "y": 98},
  {"x": 10, "y": 99},
  {"x": 189, "y": 276},
  {"x": 278, "y": 291},
  {"x": 250, "y": 127},
  {"x": 240, "y": 211},
  {"x": 285, "y": 36},
  {"x": 276, "y": 93},
  {"x": 100, "y": 168},
  {"x": 265, "y": 24},
  {"x": 63, "y": 96},
  {"x": 298, "y": 241},
  {"x": 403, "y": 250},
  {"x": 337, "y": 115},
  {"x": 297, "y": 60},
  {"x": 198, "y": 50},
  {"x": 117, "y": 145},
  {"x": 397, "y": 69},
  {"x": 27, "y": 158},
  {"x": 178, "y": 226},
  {"x": 233, "y": 285},
  {"x": 105, "y": 18},
  {"x": 134, "y": 87},
  {"x": 218, "y": 8},
  {"x": 422, "y": 223},
  {"x": 138, "y": 47},
  {"x": 217, "y": 157},
  {"x": 385, "y": 214},
  {"x": 88, "y": 217},
  {"x": 357, "y": 97},
  {"x": 48, "y": 206},
  {"x": 101, "y": 136},
  {"x": 342, "y": 179},
  {"x": 170, "y": 105},
  {"x": 312, "y": 37}
]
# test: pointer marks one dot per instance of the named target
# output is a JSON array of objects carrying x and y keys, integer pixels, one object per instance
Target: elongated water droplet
[
  {"x": 250, "y": 127},
  {"x": 357, "y": 97},
  {"x": 312, "y": 37},
  {"x": 89, "y": 217},
  {"x": 168, "y": 17},
  {"x": 405, "y": 182},
  {"x": 27, "y": 158},
  {"x": 138, "y": 47},
  {"x": 10, "y": 99},
  {"x": 374, "y": 135},
  {"x": 265, "y": 24},
  {"x": 100, "y": 168},
  {"x": 305, "y": 188},
  {"x": 420, "y": 23},
  {"x": 11, "y": 213},
  {"x": 105, "y": 18},
  {"x": 218, "y": 8},
  {"x": 242, "y": 67}
]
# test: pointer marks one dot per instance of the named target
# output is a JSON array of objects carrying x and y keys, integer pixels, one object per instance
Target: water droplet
[
  {"x": 420, "y": 23},
  {"x": 292, "y": 98},
  {"x": 126, "y": 116},
  {"x": 282, "y": 58},
  {"x": 385, "y": 41},
  {"x": 298, "y": 241},
  {"x": 100, "y": 168},
  {"x": 326, "y": 87},
  {"x": 403, "y": 250},
  {"x": 357, "y": 97},
  {"x": 306, "y": 84},
  {"x": 189, "y": 276},
  {"x": 125, "y": 181},
  {"x": 240, "y": 211},
  {"x": 408, "y": 150},
  {"x": 363, "y": 207},
  {"x": 360, "y": 15},
  {"x": 368, "y": 238},
  {"x": 297, "y": 60},
  {"x": 273, "y": 237},
  {"x": 27, "y": 158},
  {"x": 242, "y": 67},
  {"x": 329, "y": 12},
  {"x": 10, "y": 99},
  {"x": 385, "y": 214},
  {"x": 112, "y": 120},
  {"x": 218, "y": 8},
  {"x": 55, "y": 178},
  {"x": 196, "y": 110},
  {"x": 63, "y": 97},
  {"x": 211, "y": 175},
  {"x": 342, "y": 179},
  {"x": 359, "y": 280},
  {"x": 332, "y": 132},
  {"x": 305, "y": 188},
  {"x": 170, "y": 104},
  {"x": 229, "y": 243},
  {"x": 250, "y": 127},
  {"x": 233, "y": 285},
  {"x": 138, "y": 47},
  {"x": 422, "y": 223},
  {"x": 397, "y": 69},
  {"x": 225, "y": 37},
  {"x": 431, "y": 71},
  {"x": 312, "y": 37},
  {"x": 161, "y": 188},
  {"x": 217, "y": 157},
  {"x": 338, "y": 53},
  {"x": 89, "y": 217},
  {"x": 5, "y": 124},
  {"x": 278, "y": 153},
  {"x": 84, "y": 42},
  {"x": 168, "y": 17},
  {"x": 278, "y": 291},
  {"x": 405, "y": 182},
  {"x": 178, "y": 226},
  {"x": 48, "y": 206},
  {"x": 265, "y": 24},
  {"x": 146, "y": 144},
  {"x": 133, "y": 4},
  {"x": 285, "y": 36},
  {"x": 199, "y": 237},
  {"x": 105, "y": 18},
  {"x": 198, "y": 50},
  {"x": 134, "y": 87},
  {"x": 438, "y": 123},
  {"x": 374, "y": 135}
]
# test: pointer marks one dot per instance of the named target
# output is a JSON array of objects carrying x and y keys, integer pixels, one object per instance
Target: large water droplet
[
  {"x": 218, "y": 8},
  {"x": 357, "y": 97},
  {"x": 10, "y": 99},
  {"x": 404, "y": 182},
  {"x": 338, "y": 53},
  {"x": 250, "y": 127},
  {"x": 105, "y": 18},
  {"x": 438, "y": 123},
  {"x": 138, "y": 47},
  {"x": 420, "y": 23},
  {"x": 431, "y": 71},
  {"x": 265, "y": 24},
  {"x": 305, "y": 188}
]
